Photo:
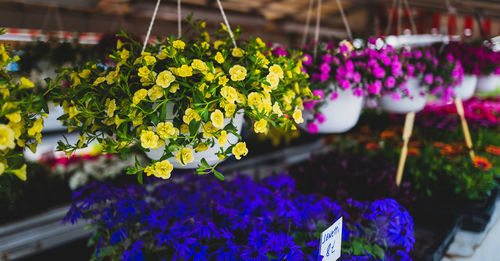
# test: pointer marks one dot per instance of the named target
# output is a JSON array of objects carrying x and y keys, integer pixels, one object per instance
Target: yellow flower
[
  {"x": 110, "y": 78},
  {"x": 184, "y": 71},
  {"x": 254, "y": 99},
  {"x": 124, "y": 54},
  {"x": 230, "y": 108},
  {"x": 260, "y": 126},
  {"x": 17, "y": 127},
  {"x": 260, "y": 42},
  {"x": 190, "y": 115},
  {"x": 238, "y": 73},
  {"x": 184, "y": 156},
  {"x": 144, "y": 72},
  {"x": 209, "y": 77},
  {"x": 163, "y": 169},
  {"x": 237, "y": 52},
  {"x": 297, "y": 116},
  {"x": 273, "y": 80},
  {"x": 36, "y": 128},
  {"x": 179, "y": 44},
  {"x": 136, "y": 119},
  {"x": 139, "y": 95},
  {"x": 217, "y": 44},
  {"x": 149, "y": 170},
  {"x": 155, "y": 93},
  {"x": 229, "y": 93},
  {"x": 150, "y": 60},
  {"x": 223, "y": 80},
  {"x": 174, "y": 88},
  {"x": 276, "y": 69},
  {"x": 208, "y": 130},
  {"x": 2, "y": 168},
  {"x": 240, "y": 149},
  {"x": 222, "y": 138},
  {"x": 205, "y": 45},
  {"x": 5, "y": 93},
  {"x": 219, "y": 58},
  {"x": 162, "y": 55},
  {"x": 25, "y": 83},
  {"x": 184, "y": 129},
  {"x": 14, "y": 117},
  {"x": 277, "y": 109},
  {"x": 110, "y": 107},
  {"x": 262, "y": 59},
  {"x": 165, "y": 78},
  {"x": 217, "y": 119},
  {"x": 165, "y": 129},
  {"x": 201, "y": 147},
  {"x": 84, "y": 74},
  {"x": 118, "y": 121},
  {"x": 119, "y": 44},
  {"x": 81, "y": 140},
  {"x": 149, "y": 139},
  {"x": 99, "y": 80},
  {"x": 7, "y": 139},
  {"x": 20, "y": 173},
  {"x": 199, "y": 65},
  {"x": 265, "y": 107}
]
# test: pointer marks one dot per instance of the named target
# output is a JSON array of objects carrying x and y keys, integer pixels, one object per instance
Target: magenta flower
[
  {"x": 312, "y": 127},
  {"x": 334, "y": 96},
  {"x": 428, "y": 78},
  {"x": 321, "y": 118},
  {"x": 390, "y": 82},
  {"x": 378, "y": 72},
  {"x": 345, "y": 84},
  {"x": 357, "y": 92},
  {"x": 319, "y": 93},
  {"x": 396, "y": 96},
  {"x": 307, "y": 59}
]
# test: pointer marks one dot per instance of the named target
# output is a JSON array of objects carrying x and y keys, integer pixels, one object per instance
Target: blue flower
[
  {"x": 134, "y": 253},
  {"x": 198, "y": 252},
  {"x": 254, "y": 254},
  {"x": 118, "y": 236},
  {"x": 227, "y": 252},
  {"x": 182, "y": 247}
]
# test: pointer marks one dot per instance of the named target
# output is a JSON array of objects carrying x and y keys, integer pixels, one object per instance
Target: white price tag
[{"x": 331, "y": 241}]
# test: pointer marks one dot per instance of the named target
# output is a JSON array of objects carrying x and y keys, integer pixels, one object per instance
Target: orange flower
[
  {"x": 412, "y": 151},
  {"x": 438, "y": 144},
  {"x": 446, "y": 150},
  {"x": 388, "y": 134},
  {"x": 482, "y": 163},
  {"x": 415, "y": 143},
  {"x": 495, "y": 150},
  {"x": 372, "y": 146}
]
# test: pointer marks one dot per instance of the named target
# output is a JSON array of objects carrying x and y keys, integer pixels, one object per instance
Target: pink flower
[
  {"x": 396, "y": 96},
  {"x": 428, "y": 78},
  {"x": 356, "y": 77},
  {"x": 319, "y": 93},
  {"x": 334, "y": 96},
  {"x": 375, "y": 87},
  {"x": 357, "y": 92},
  {"x": 390, "y": 82},
  {"x": 308, "y": 105},
  {"x": 320, "y": 118},
  {"x": 345, "y": 84},
  {"x": 312, "y": 127},
  {"x": 307, "y": 59},
  {"x": 378, "y": 72}
]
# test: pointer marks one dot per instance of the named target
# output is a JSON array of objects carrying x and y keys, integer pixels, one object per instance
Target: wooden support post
[
  {"x": 465, "y": 127},
  {"x": 408, "y": 128}
]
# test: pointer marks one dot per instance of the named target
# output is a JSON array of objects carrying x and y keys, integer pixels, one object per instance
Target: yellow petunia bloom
[
  {"x": 238, "y": 73},
  {"x": 217, "y": 44},
  {"x": 229, "y": 93},
  {"x": 14, "y": 117},
  {"x": 2, "y": 168},
  {"x": 277, "y": 109},
  {"x": 36, "y": 128},
  {"x": 184, "y": 129},
  {"x": 240, "y": 149},
  {"x": 165, "y": 78},
  {"x": 124, "y": 54},
  {"x": 149, "y": 170},
  {"x": 110, "y": 107},
  {"x": 254, "y": 99},
  {"x": 112, "y": 77},
  {"x": 98, "y": 81},
  {"x": 202, "y": 146},
  {"x": 230, "y": 108},
  {"x": 190, "y": 115},
  {"x": 149, "y": 140},
  {"x": 163, "y": 169},
  {"x": 208, "y": 130},
  {"x": 199, "y": 65},
  {"x": 165, "y": 129},
  {"x": 222, "y": 138},
  {"x": 84, "y": 73},
  {"x": 25, "y": 83},
  {"x": 179, "y": 44},
  {"x": 260, "y": 126},
  {"x": 150, "y": 60},
  {"x": 223, "y": 80},
  {"x": 238, "y": 52},
  {"x": 217, "y": 119},
  {"x": 276, "y": 69},
  {"x": 260, "y": 42},
  {"x": 297, "y": 116},
  {"x": 20, "y": 173},
  {"x": 17, "y": 127},
  {"x": 155, "y": 93},
  {"x": 205, "y": 45},
  {"x": 139, "y": 95},
  {"x": 184, "y": 156},
  {"x": 219, "y": 58},
  {"x": 184, "y": 71},
  {"x": 273, "y": 80},
  {"x": 144, "y": 72},
  {"x": 7, "y": 138}
]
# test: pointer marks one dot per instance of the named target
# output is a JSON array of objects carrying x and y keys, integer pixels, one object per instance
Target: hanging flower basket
[
  {"x": 465, "y": 90},
  {"x": 488, "y": 83},
  {"x": 182, "y": 102},
  {"x": 415, "y": 100},
  {"x": 335, "y": 115}
]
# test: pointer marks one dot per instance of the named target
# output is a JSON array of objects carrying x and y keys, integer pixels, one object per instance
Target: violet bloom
[
  {"x": 344, "y": 49},
  {"x": 428, "y": 78},
  {"x": 345, "y": 84},
  {"x": 321, "y": 118},
  {"x": 324, "y": 77},
  {"x": 375, "y": 87},
  {"x": 356, "y": 77},
  {"x": 378, "y": 72},
  {"x": 319, "y": 93},
  {"x": 390, "y": 82},
  {"x": 312, "y": 127},
  {"x": 357, "y": 92},
  {"x": 417, "y": 54},
  {"x": 450, "y": 58},
  {"x": 396, "y": 96},
  {"x": 327, "y": 58},
  {"x": 308, "y": 105},
  {"x": 278, "y": 51},
  {"x": 325, "y": 68},
  {"x": 334, "y": 96},
  {"x": 307, "y": 59}
]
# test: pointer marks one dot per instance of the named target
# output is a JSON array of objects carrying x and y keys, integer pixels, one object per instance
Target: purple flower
[
  {"x": 390, "y": 82},
  {"x": 357, "y": 92},
  {"x": 334, "y": 96},
  {"x": 345, "y": 84},
  {"x": 428, "y": 78},
  {"x": 325, "y": 68},
  {"x": 327, "y": 58},
  {"x": 312, "y": 127},
  {"x": 307, "y": 59},
  {"x": 319, "y": 93},
  {"x": 378, "y": 72},
  {"x": 375, "y": 87},
  {"x": 321, "y": 118},
  {"x": 396, "y": 96}
]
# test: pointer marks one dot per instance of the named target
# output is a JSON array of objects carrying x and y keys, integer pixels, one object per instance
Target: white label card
[{"x": 331, "y": 241}]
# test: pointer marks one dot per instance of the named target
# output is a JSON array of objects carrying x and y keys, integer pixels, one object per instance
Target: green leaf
[
  {"x": 218, "y": 175},
  {"x": 378, "y": 252},
  {"x": 140, "y": 178},
  {"x": 193, "y": 127}
]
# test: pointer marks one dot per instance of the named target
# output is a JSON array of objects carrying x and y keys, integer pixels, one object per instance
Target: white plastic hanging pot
[
  {"x": 51, "y": 123},
  {"x": 341, "y": 114},
  {"x": 488, "y": 83},
  {"x": 466, "y": 89},
  {"x": 210, "y": 154},
  {"x": 414, "y": 102}
]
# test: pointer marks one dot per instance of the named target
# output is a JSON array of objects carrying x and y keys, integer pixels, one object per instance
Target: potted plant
[
  {"x": 337, "y": 89},
  {"x": 182, "y": 101},
  {"x": 21, "y": 119},
  {"x": 488, "y": 68}
]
